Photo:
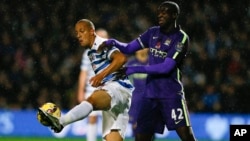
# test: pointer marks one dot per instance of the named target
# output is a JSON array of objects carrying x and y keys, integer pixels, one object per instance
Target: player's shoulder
[
  {"x": 183, "y": 35},
  {"x": 182, "y": 32},
  {"x": 154, "y": 28},
  {"x": 99, "y": 40}
]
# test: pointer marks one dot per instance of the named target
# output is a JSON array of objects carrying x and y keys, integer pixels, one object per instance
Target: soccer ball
[{"x": 50, "y": 108}]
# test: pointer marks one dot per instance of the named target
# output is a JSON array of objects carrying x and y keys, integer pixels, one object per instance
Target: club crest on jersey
[
  {"x": 91, "y": 57},
  {"x": 167, "y": 42},
  {"x": 179, "y": 47},
  {"x": 93, "y": 66},
  {"x": 158, "y": 45}
]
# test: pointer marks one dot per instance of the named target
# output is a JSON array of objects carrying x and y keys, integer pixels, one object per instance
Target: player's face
[
  {"x": 84, "y": 34},
  {"x": 164, "y": 17}
]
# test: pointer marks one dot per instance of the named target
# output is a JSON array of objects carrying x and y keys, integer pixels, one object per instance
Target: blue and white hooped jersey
[{"x": 101, "y": 60}]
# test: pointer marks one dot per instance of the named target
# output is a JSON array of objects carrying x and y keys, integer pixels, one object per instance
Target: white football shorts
[{"x": 116, "y": 118}]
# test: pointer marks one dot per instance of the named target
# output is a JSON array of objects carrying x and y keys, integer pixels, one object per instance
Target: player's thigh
[
  {"x": 100, "y": 100},
  {"x": 148, "y": 106},
  {"x": 149, "y": 119},
  {"x": 175, "y": 113}
]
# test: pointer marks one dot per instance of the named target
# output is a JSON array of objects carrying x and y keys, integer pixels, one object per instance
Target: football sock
[
  {"x": 92, "y": 132},
  {"x": 78, "y": 112}
]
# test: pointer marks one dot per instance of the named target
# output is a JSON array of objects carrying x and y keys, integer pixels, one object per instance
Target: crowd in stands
[{"x": 40, "y": 57}]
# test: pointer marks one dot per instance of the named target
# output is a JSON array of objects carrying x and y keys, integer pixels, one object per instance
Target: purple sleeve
[
  {"x": 162, "y": 68},
  {"x": 127, "y": 48}
]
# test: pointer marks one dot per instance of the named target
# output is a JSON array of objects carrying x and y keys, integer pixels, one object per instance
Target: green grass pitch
[
  {"x": 57, "y": 139},
  {"x": 67, "y": 139},
  {"x": 41, "y": 139}
]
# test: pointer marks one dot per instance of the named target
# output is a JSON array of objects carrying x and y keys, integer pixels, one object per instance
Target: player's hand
[
  {"x": 96, "y": 80},
  {"x": 110, "y": 42},
  {"x": 107, "y": 44},
  {"x": 121, "y": 73},
  {"x": 130, "y": 70}
]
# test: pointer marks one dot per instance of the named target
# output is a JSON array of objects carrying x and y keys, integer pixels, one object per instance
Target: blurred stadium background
[{"x": 40, "y": 60}]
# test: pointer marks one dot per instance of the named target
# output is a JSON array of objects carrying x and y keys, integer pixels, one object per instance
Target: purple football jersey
[{"x": 162, "y": 45}]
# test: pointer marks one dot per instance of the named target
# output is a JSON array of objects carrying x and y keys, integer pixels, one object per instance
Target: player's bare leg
[
  {"x": 114, "y": 135},
  {"x": 185, "y": 133},
  {"x": 144, "y": 137},
  {"x": 100, "y": 100}
]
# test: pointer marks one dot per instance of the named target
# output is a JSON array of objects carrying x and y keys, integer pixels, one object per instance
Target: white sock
[
  {"x": 91, "y": 132},
  {"x": 78, "y": 112}
]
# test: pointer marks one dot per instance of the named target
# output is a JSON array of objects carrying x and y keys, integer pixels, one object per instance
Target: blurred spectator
[
  {"x": 210, "y": 100},
  {"x": 229, "y": 99}
]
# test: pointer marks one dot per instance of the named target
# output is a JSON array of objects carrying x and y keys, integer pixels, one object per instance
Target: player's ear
[
  {"x": 92, "y": 31},
  {"x": 174, "y": 15}
]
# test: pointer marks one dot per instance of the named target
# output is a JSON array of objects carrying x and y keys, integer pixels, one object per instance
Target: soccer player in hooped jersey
[
  {"x": 84, "y": 89},
  {"x": 112, "y": 94},
  {"x": 164, "y": 98}
]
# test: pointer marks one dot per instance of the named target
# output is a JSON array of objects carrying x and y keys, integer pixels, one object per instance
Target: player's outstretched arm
[
  {"x": 118, "y": 60},
  {"x": 161, "y": 68},
  {"x": 126, "y": 48}
]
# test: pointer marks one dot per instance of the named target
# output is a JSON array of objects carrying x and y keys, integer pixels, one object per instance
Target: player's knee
[
  {"x": 100, "y": 101},
  {"x": 91, "y": 100},
  {"x": 92, "y": 119}
]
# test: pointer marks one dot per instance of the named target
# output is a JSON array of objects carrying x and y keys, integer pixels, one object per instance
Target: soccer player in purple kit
[{"x": 164, "y": 98}]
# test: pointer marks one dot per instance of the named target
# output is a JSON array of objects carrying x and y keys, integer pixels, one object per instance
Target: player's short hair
[
  {"x": 170, "y": 7},
  {"x": 88, "y": 22}
]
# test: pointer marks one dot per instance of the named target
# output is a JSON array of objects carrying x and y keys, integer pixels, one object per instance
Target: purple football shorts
[{"x": 155, "y": 114}]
